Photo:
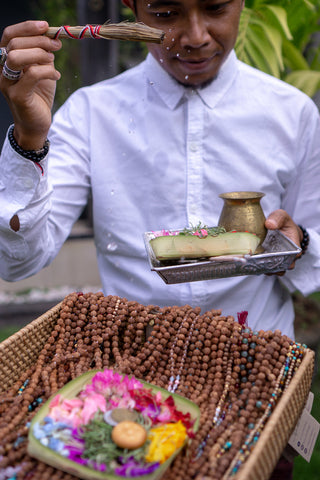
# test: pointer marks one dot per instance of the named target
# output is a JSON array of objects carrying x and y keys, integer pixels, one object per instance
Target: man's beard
[{"x": 198, "y": 86}]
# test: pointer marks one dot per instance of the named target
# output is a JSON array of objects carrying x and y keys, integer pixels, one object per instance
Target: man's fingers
[
  {"x": 277, "y": 219},
  {"x": 24, "y": 43},
  {"x": 23, "y": 29},
  {"x": 19, "y": 59}
]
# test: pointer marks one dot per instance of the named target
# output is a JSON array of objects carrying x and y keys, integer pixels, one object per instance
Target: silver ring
[
  {"x": 10, "y": 74},
  {"x": 3, "y": 55}
]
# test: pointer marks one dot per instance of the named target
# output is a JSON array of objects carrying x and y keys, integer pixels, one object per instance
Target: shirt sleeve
[
  {"x": 302, "y": 201},
  {"x": 47, "y": 203}
]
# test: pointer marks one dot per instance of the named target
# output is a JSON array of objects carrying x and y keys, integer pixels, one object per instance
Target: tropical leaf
[
  {"x": 306, "y": 80},
  {"x": 278, "y": 38},
  {"x": 294, "y": 60},
  {"x": 261, "y": 51},
  {"x": 261, "y": 41},
  {"x": 278, "y": 16}
]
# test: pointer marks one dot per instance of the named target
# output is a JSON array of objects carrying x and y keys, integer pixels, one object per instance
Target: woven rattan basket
[{"x": 21, "y": 350}]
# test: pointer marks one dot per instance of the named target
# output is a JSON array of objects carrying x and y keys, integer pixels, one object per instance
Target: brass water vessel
[{"x": 242, "y": 212}]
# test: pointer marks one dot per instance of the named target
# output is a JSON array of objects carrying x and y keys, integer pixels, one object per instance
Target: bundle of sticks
[{"x": 118, "y": 31}]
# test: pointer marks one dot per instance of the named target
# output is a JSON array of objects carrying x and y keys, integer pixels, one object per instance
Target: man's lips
[
  {"x": 194, "y": 60},
  {"x": 195, "y": 63}
]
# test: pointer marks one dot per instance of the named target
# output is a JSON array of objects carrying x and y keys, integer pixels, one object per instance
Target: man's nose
[{"x": 196, "y": 32}]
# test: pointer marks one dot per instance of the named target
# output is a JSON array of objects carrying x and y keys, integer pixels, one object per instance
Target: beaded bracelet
[
  {"x": 305, "y": 240},
  {"x": 33, "y": 155}
]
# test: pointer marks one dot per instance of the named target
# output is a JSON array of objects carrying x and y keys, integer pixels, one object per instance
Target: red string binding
[{"x": 93, "y": 29}]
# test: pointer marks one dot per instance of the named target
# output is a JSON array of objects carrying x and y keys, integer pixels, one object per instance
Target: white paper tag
[{"x": 306, "y": 432}]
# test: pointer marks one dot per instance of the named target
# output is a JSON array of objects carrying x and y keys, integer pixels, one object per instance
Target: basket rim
[
  {"x": 252, "y": 463},
  {"x": 29, "y": 327}
]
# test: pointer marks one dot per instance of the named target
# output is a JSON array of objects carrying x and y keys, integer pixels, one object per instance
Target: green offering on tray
[
  {"x": 109, "y": 426},
  {"x": 203, "y": 242}
]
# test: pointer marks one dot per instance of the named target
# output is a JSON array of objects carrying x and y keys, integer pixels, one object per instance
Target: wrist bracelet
[
  {"x": 33, "y": 155},
  {"x": 305, "y": 240}
]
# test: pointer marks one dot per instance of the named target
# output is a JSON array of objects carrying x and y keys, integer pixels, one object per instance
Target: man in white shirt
[{"x": 155, "y": 147}]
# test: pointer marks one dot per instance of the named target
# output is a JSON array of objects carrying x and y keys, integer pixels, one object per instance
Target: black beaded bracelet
[
  {"x": 305, "y": 240},
  {"x": 33, "y": 155}
]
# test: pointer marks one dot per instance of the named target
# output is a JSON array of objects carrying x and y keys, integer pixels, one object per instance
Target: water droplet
[
  {"x": 161, "y": 60},
  {"x": 151, "y": 83},
  {"x": 172, "y": 40},
  {"x": 178, "y": 54},
  {"x": 186, "y": 77},
  {"x": 112, "y": 246},
  {"x": 112, "y": 192}
]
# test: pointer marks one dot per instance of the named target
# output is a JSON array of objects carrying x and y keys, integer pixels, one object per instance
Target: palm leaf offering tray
[
  {"x": 104, "y": 425},
  {"x": 178, "y": 258},
  {"x": 61, "y": 378}
]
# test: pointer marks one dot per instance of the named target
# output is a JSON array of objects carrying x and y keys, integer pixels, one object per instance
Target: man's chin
[{"x": 196, "y": 84}]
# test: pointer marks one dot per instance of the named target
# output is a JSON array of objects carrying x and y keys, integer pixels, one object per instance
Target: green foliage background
[{"x": 279, "y": 37}]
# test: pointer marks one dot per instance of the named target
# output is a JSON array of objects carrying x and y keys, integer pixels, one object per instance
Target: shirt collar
[{"x": 172, "y": 92}]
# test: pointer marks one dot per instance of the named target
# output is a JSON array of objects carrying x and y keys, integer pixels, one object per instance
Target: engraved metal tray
[{"x": 279, "y": 253}]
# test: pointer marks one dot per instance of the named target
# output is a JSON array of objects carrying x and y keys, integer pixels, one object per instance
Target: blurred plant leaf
[
  {"x": 306, "y": 80},
  {"x": 277, "y": 39}
]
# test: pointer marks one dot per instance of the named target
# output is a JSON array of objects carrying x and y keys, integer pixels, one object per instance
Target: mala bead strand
[
  {"x": 182, "y": 343},
  {"x": 81, "y": 331},
  {"x": 142, "y": 358},
  {"x": 129, "y": 334},
  {"x": 112, "y": 310},
  {"x": 93, "y": 345},
  {"x": 115, "y": 343},
  {"x": 254, "y": 435},
  {"x": 152, "y": 362},
  {"x": 123, "y": 364}
]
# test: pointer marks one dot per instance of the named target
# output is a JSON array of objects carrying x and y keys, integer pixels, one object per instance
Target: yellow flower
[{"x": 165, "y": 440}]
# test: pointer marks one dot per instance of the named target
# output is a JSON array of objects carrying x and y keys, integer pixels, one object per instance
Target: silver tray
[{"x": 279, "y": 253}]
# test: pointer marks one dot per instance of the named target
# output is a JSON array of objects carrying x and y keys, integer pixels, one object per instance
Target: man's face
[{"x": 199, "y": 35}]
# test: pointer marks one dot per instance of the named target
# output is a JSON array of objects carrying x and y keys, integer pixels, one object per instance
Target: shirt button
[{"x": 193, "y": 147}]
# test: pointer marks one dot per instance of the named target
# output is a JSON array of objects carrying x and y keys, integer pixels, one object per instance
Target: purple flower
[{"x": 134, "y": 469}]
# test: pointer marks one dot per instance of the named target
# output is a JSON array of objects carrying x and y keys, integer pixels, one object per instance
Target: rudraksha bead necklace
[{"x": 235, "y": 375}]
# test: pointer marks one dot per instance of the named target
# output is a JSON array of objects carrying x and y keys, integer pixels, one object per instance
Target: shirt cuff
[{"x": 20, "y": 178}]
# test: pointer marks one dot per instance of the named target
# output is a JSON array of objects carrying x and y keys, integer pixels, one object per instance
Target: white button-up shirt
[{"x": 156, "y": 155}]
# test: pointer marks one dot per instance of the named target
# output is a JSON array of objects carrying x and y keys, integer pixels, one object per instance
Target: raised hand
[{"x": 29, "y": 94}]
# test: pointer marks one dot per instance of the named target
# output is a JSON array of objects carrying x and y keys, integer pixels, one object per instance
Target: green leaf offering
[
  {"x": 203, "y": 243},
  {"x": 107, "y": 426}
]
